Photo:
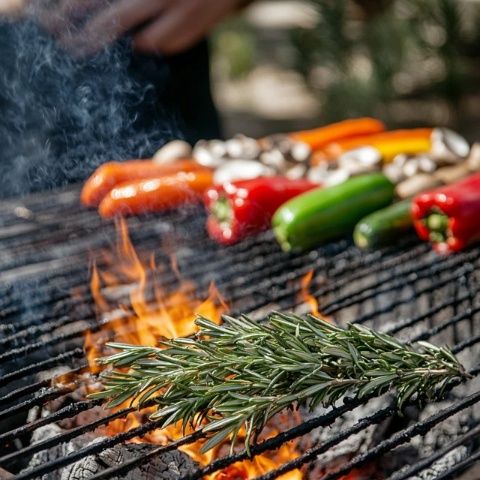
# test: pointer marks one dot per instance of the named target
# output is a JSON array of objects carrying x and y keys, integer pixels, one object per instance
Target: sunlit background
[{"x": 292, "y": 64}]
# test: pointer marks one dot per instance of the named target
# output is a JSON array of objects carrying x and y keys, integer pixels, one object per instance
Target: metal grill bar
[
  {"x": 252, "y": 276},
  {"x": 421, "y": 428},
  {"x": 460, "y": 467},
  {"x": 423, "y": 464}
]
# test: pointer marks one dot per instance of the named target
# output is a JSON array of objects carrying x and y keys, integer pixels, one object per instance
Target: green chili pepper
[
  {"x": 384, "y": 226},
  {"x": 326, "y": 213}
]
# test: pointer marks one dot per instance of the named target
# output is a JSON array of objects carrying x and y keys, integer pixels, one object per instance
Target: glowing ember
[{"x": 153, "y": 313}]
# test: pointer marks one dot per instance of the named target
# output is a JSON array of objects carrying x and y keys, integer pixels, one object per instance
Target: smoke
[{"x": 61, "y": 117}]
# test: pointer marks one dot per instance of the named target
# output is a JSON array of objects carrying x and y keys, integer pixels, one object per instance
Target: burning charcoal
[
  {"x": 241, "y": 170},
  {"x": 168, "y": 466},
  {"x": 355, "y": 444},
  {"x": 172, "y": 151},
  {"x": 445, "y": 432},
  {"x": 59, "y": 450}
]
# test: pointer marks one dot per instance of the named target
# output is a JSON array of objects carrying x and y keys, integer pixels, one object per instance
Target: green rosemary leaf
[{"x": 241, "y": 373}]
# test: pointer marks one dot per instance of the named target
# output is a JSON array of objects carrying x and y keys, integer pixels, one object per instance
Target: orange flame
[
  {"x": 306, "y": 296},
  {"x": 150, "y": 314}
]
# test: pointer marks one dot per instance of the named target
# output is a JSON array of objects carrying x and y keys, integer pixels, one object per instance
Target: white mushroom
[
  {"x": 275, "y": 159},
  {"x": 448, "y": 146},
  {"x": 251, "y": 147},
  {"x": 203, "y": 156},
  {"x": 473, "y": 160},
  {"x": 411, "y": 167},
  {"x": 360, "y": 160},
  {"x": 172, "y": 151},
  {"x": 336, "y": 177},
  {"x": 217, "y": 148},
  {"x": 452, "y": 173},
  {"x": 234, "y": 148},
  {"x": 296, "y": 172},
  {"x": 394, "y": 173},
  {"x": 300, "y": 152},
  {"x": 318, "y": 174},
  {"x": 235, "y": 170},
  {"x": 414, "y": 185},
  {"x": 400, "y": 160},
  {"x": 426, "y": 164}
]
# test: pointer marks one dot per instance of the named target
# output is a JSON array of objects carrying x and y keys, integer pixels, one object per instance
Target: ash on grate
[
  {"x": 168, "y": 466},
  {"x": 443, "y": 465},
  {"x": 336, "y": 457},
  {"x": 437, "y": 438}
]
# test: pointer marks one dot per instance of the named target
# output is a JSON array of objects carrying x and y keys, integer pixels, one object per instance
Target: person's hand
[
  {"x": 157, "y": 26},
  {"x": 11, "y": 7}
]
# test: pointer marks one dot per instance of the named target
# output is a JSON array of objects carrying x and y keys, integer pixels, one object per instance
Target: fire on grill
[
  {"x": 296, "y": 305},
  {"x": 52, "y": 429}
]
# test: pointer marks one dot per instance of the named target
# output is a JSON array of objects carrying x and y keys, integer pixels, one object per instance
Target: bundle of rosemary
[{"x": 242, "y": 373}]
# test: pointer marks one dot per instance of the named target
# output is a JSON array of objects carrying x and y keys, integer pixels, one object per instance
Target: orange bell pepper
[
  {"x": 390, "y": 144},
  {"x": 156, "y": 194},
  {"x": 320, "y": 137},
  {"x": 111, "y": 174}
]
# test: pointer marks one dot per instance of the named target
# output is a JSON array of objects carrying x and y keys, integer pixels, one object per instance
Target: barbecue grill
[{"x": 46, "y": 307}]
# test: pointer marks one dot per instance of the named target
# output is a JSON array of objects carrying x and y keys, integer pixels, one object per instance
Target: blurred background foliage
[{"x": 289, "y": 64}]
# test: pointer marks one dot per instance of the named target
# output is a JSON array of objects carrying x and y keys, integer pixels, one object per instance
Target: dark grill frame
[{"x": 371, "y": 288}]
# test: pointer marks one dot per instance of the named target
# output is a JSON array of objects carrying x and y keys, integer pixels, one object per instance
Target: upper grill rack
[{"x": 45, "y": 243}]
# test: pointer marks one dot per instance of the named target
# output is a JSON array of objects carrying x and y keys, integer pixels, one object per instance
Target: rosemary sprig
[{"x": 242, "y": 373}]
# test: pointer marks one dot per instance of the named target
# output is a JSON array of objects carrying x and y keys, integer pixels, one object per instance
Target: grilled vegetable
[
  {"x": 111, "y": 174},
  {"x": 156, "y": 194},
  {"x": 384, "y": 226},
  {"x": 389, "y": 144},
  {"x": 238, "y": 210},
  {"x": 320, "y": 137},
  {"x": 449, "y": 216},
  {"x": 323, "y": 214}
]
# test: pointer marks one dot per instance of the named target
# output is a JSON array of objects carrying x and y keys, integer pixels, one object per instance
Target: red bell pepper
[
  {"x": 240, "y": 209},
  {"x": 449, "y": 216}
]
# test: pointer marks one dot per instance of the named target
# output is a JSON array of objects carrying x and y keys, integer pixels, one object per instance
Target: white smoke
[{"x": 61, "y": 117}]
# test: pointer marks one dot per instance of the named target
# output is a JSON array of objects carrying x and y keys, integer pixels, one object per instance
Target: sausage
[
  {"x": 111, "y": 174},
  {"x": 156, "y": 194}
]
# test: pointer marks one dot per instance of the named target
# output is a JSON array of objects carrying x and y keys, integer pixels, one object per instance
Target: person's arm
[{"x": 157, "y": 26}]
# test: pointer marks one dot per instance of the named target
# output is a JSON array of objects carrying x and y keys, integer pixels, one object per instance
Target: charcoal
[
  {"x": 444, "y": 433},
  {"x": 354, "y": 444},
  {"x": 443, "y": 465},
  {"x": 168, "y": 466}
]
